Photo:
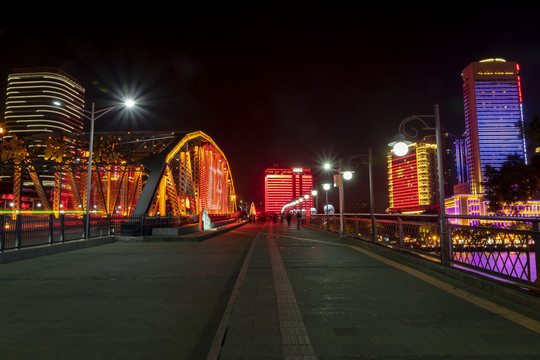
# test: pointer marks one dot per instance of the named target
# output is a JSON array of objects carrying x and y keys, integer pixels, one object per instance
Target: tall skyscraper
[
  {"x": 493, "y": 116},
  {"x": 281, "y": 186},
  {"x": 43, "y": 100}
]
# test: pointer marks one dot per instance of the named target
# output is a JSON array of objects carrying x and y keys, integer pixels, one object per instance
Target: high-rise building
[
  {"x": 281, "y": 186},
  {"x": 43, "y": 100},
  {"x": 412, "y": 179},
  {"x": 493, "y": 116}
]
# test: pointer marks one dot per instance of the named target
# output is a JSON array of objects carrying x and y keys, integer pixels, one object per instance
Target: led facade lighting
[
  {"x": 43, "y": 100},
  {"x": 493, "y": 107},
  {"x": 283, "y": 185},
  {"x": 412, "y": 180}
]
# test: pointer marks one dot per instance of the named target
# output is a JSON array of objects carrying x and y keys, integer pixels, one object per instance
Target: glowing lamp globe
[{"x": 400, "y": 148}]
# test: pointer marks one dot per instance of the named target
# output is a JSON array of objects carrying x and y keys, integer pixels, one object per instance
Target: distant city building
[
  {"x": 412, "y": 179},
  {"x": 460, "y": 151},
  {"x": 493, "y": 116},
  {"x": 43, "y": 100},
  {"x": 477, "y": 205},
  {"x": 281, "y": 186}
]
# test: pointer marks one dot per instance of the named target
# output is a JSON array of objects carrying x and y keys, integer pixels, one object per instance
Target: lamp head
[
  {"x": 129, "y": 103},
  {"x": 400, "y": 146},
  {"x": 347, "y": 175}
]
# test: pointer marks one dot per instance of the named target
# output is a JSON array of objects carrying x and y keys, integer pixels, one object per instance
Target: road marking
[
  {"x": 508, "y": 314},
  {"x": 215, "y": 348},
  {"x": 295, "y": 339}
]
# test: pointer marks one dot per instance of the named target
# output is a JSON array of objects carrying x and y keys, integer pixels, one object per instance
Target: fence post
[
  {"x": 2, "y": 232},
  {"x": 450, "y": 248},
  {"x": 373, "y": 229},
  {"x": 18, "y": 230},
  {"x": 51, "y": 228},
  {"x": 86, "y": 226},
  {"x": 536, "y": 237},
  {"x": 62, "y": 217},
  {"x": 109, "y": 222},
  {"x": 400, "y": 227}
]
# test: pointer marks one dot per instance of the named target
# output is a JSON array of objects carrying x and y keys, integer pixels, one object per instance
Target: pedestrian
[
  {"x": 289, "y": 218},
  {"x": 282, "y": 217},
  {"x": 298, "y": 219}
]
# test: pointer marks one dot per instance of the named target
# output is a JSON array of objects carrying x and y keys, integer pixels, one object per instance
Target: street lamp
[
  {"x": 326, "y": 187},
  {"x": 400, "y": 149},
  {"x": 369, "y": 162},
  {"x": 314, "y": 193},
  {"x": 347, "y": 175},
  {"x": 94, "y": 115}
]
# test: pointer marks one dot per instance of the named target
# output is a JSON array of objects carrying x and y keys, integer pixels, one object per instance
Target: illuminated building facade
[
  {"x": 412, "y": 179},
  {"x": 477, "y": 205},
  {"x": 493, "y": 116},
  {"x": 283, "y": 185},
  {"x": 43, "y": 100}
]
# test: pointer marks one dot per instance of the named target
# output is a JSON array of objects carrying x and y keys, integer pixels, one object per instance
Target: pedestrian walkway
[
  {"x": 307, "y": 294},
  {"x": 257, "y": 291}
]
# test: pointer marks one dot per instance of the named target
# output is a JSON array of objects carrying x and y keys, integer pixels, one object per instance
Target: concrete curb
[
  {"x": 188, "y": 237},
  {"x": 35, "y": 251}
]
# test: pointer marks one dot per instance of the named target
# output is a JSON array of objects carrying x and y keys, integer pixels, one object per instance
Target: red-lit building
[
  {"x": 282, "y": 186},
  {"x": 412, "y": 179}
]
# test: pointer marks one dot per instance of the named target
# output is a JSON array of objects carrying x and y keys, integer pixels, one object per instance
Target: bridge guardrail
[
  {"x": 25, "y": 231},
  {"x": 501, "y": 247}
]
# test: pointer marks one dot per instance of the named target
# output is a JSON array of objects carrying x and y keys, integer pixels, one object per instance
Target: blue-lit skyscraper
[{"x": 493, "y": 116}]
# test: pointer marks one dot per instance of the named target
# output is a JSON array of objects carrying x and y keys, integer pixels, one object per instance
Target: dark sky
[{"x": 293, "y": 84}]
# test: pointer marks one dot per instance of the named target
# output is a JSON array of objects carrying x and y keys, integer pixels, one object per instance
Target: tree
[{"x": 513, "y": 182}]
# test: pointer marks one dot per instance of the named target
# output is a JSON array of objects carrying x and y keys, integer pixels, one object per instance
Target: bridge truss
[{"x": 135, "y": 173}]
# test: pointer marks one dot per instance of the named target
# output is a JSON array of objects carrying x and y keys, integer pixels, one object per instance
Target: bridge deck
[{"x": 289, "y": 293}]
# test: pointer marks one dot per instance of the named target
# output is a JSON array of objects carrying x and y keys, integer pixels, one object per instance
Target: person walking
[
  {"x": 298, "y": 219},
  {"x": 289, "y": 218}
]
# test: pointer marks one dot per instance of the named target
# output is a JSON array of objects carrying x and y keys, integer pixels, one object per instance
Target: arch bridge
[{"x": 134, "y": 173}]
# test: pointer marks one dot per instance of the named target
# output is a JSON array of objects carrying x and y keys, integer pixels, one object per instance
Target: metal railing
[
  {"x": 28, "y": 231},
  {"x": 500, "y": 247}
]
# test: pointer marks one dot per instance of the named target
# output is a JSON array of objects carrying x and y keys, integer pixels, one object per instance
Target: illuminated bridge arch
[
  {"x": 133, "y": 173},
  {"x": 191, "y": 175}
]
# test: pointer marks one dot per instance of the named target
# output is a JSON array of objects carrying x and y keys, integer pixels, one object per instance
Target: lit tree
[{"x": 515, "y": 181}]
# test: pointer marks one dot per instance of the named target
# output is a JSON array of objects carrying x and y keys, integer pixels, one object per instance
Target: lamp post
[
  {"x": 326, "y": 187},
  {"x": 94, "y": 115},
  {"x": 400, "y": 149},
  {"x": 369, "y": 162},
  {"x": 347, "y": 175},
  {"x": 314, "y": 193}
]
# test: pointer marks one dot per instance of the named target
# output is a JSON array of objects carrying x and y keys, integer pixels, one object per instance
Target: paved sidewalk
[
  {"x": 298, "y": 294},
  {"x": 310, "y": 295}
]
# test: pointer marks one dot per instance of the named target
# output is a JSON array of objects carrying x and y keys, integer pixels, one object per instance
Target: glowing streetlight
[
  {"x": 401, "y": 148},
  {"x": 314, "y": 193},
  {"x": 347, "y": 175},
  {"x": 326, "y": 187},
  {"x": 94, "y": 115}
]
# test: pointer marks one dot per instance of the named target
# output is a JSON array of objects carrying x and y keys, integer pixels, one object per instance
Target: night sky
[{"x": 293, "y": 85}]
